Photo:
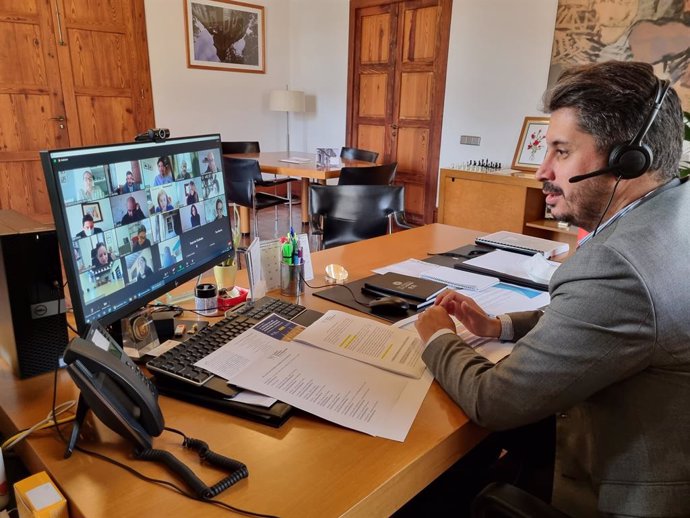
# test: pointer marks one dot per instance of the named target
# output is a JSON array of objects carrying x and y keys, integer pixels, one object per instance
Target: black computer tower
[{"x": 33, "y": 326}]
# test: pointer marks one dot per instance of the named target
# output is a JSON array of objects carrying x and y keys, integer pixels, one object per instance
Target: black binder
[{"x": 275, "y": 415}]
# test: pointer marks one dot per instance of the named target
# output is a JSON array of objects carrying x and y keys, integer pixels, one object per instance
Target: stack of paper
[{"x": 459, "y": 279}]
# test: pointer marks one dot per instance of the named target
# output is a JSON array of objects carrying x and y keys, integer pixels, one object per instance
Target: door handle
[{"x": 59, "y": 118}]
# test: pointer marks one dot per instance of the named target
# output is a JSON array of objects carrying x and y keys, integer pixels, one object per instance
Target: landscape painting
[{"x": 225, "y": 35}]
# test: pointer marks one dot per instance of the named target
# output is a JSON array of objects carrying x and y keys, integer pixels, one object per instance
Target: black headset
[{"x": 633, "y": 159}]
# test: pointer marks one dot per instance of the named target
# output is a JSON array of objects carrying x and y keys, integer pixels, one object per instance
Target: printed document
[
  {"x": 344, "y": 391},
  {"x": 368, "y": 341},
  {"x": 492, "y": 349}
]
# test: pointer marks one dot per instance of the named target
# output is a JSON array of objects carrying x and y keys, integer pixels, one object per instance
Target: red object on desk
[{"x": 226, "y": 301}]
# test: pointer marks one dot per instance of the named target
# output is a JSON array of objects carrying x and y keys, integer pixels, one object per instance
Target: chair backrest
[
  {"x": 240, "y": 174},
  {"x": 352, "y": 153},
  {"x": 240, "y": 147},
  {"x": 374, "y": 175},
  {"x": 354, "y": 212}
]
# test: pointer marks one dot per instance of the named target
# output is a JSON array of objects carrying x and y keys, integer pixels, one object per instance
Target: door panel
[
  {"x": 406, "y": 107},
  {"x": 105, "y": 119},
  {"x": 416, "y": 95},
  {"x": 99, "y": 59},
  {"x": 372, "y": 138},
  {"x": 419, "y": 43},
  {"x": 412, "y": 151},
  {"x": 372, "y": 95},
  {"x": 375, "y": 38}
]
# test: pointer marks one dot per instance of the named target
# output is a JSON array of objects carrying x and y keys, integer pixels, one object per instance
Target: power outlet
[{"x": 470, "y": 140}]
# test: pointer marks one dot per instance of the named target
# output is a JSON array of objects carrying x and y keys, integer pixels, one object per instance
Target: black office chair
[
  {"x": 242, "y": 176},
  {"x": 374, "y": 175},
  {"x": 230, "y": 148},
  {"x": 352, "y": 153},
  {"x": 348, "y": 213},
  {"x": 500, "y": 500}
]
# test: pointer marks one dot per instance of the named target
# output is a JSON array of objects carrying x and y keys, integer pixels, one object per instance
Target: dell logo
[{"x": 40, "y": 310}]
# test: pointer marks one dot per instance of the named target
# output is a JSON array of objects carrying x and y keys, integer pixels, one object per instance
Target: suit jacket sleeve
[{"x": 598, "y": 329}]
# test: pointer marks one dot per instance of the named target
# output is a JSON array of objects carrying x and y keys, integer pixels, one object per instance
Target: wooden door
[
  {"x": 72, "y": 73},
  {"x": 396, "y": 88},
  {"x": 30, "y": 103}
]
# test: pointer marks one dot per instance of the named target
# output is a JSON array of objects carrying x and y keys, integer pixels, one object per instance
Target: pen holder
[{"x": 291, "y": 279}]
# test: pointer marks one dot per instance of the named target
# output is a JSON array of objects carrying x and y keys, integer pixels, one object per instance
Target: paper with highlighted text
[{"x": 368, "y": 341}]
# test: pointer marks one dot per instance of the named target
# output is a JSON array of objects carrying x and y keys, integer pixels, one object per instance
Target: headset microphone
[{"x": 598, "y": 172}]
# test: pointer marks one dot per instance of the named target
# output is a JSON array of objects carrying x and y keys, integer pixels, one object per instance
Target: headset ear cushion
[{"x": 630, "y": 161}]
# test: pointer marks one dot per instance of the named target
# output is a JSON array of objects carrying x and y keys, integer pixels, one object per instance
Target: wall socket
[{"x": 470, "y": 140}]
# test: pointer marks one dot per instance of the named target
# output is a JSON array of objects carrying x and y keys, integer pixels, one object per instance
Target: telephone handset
[{"x": 113, "y": 387}]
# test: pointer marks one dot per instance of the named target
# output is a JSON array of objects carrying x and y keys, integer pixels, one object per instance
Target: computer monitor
[{"x": 136, "y": 220}]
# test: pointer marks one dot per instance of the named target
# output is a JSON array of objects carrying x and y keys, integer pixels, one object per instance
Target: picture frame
[
  {"x": 225, "y": 35},
  {"x": 94, "y": 209},
  {"x": 531, "y": 147}
]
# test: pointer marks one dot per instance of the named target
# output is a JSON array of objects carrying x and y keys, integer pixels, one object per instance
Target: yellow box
[{"x": 38, "y": 497}]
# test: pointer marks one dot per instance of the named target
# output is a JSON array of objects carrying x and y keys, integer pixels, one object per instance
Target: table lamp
[{"x": 286, "y": 101}]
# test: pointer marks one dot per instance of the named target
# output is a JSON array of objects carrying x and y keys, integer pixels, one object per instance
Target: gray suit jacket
[{"x": 611, "y": 357}]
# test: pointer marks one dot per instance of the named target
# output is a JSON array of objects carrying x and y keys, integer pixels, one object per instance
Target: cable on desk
[
  {"x": 48, "y": 422},
  {"x": 170, "y": 485},
  {"x": 354, "y": 297}
]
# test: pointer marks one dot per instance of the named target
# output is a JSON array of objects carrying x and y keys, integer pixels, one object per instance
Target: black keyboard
[
  {"x": 264, "y": 306},
  {"x": 179, "y": 361}
]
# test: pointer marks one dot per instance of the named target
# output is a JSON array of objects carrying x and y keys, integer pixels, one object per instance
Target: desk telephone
[
  {"x": 121, "y": 396},
  {"x": 114, "y": 388}
]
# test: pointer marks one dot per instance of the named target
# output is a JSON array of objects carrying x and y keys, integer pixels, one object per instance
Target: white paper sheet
[
  {"x": 336, "y": 388},
  {"x": 492, "y": 349},
  {"x": 517, "y": 265},
  {"x": 411, "y": 267},
  {"x": 368, "y": 341}
]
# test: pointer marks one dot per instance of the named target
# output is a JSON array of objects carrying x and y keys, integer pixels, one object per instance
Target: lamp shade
[{"x": 286, "y": 101}]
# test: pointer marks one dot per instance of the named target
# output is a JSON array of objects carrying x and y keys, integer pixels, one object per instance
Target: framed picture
[
  {"x": 531, "y": 147},
  {"x": 94, "y": 209},
  {"x": 225, "y": 35}
]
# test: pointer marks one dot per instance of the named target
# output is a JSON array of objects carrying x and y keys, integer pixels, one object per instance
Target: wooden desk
[
  {"x": 308, "y": 467},
  {"x": 270, "y": 162}
]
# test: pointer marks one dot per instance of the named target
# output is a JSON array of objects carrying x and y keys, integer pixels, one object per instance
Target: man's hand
[
  {"x": 467, "y": 311},
  {"x": 431, "y": 320}
]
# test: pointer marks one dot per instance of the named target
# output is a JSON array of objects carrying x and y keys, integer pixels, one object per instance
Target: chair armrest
[
  {"x": 277, "y": 181},
  {"x": 507, "y": 501}
]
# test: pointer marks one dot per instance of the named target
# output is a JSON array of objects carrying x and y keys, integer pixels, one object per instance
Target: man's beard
[{"x": 585, "y": 204}]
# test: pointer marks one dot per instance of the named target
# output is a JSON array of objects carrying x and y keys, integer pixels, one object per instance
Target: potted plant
[{"x": 226, "y": 271}]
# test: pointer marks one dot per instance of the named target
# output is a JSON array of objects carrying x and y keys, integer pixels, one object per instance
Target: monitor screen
[{"x": 135, "y": 220}]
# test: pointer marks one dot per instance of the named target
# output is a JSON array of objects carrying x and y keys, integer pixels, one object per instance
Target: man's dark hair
[
  {"x": 87, "y": 217},
  {"x": 612, "y": 100},
  {"x": 141, "y": 228}
]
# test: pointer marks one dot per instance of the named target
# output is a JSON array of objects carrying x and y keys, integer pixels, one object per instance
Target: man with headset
[{"x": 610, "y": 355}]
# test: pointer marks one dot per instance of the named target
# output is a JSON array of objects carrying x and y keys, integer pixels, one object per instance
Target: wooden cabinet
[{"x": 504, "y": 200}]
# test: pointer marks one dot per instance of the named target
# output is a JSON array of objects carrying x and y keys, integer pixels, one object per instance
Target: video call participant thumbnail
[
  {"x": 88, "y": 227},
  {"x": 134, "y": 212},
  {"x": 165, "y": 172}
]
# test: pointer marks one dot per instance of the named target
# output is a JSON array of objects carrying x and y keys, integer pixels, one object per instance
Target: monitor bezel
[{"x": 65, "y": 241}]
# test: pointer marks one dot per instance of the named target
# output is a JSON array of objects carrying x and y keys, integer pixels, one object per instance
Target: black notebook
[{"x": 405, "y": 286}]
